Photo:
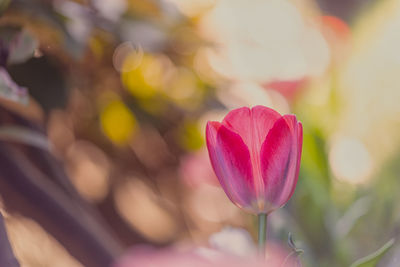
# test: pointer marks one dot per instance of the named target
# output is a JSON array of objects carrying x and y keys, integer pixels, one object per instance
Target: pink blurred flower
[
  {"x": 334, "y": 27},
  {"x": 195, "y": 169},
  {"x": 256, "y": 155},
  {"x": 288, "y": 88},
  {"x": 144, "y": 256},
  {"x": 339, "y": 36}
]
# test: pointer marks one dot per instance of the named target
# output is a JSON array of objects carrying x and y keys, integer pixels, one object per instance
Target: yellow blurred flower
[
  {"x": 118, "y": 122},
  {"x": 144, "y": 81},
  {"x": 191, "y": 137}
]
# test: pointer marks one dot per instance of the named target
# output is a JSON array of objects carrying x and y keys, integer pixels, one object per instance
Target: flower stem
[{"x": 262, "y": 233}]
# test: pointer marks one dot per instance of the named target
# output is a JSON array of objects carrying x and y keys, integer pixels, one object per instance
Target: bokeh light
[
  {"x": 89, "y": 169},
  {"x": 127, "y": 56},
  {"x": 144, "y": 210},
  {"x": 350, "y": 160},
  {"x": 120, "y": 93},
  {"x": 34, "y": 246},
  {"x": 118, "y": 122},
  {"x": 254, "y": 49}
]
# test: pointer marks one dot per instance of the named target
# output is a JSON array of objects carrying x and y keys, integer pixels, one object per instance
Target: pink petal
[
  {"x": 296, "y": 130},
  {"x": 277, "y": 158},
  {"x": 230, "y": 159},
  {"x": 251, "y": 124},
  {"x": 299, "y": 146}
]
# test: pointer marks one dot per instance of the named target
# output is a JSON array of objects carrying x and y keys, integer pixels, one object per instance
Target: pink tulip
[{"x": 256, "y": 155}]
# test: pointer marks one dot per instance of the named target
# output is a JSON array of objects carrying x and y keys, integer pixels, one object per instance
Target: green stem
[{"x": 262, "y": 233}]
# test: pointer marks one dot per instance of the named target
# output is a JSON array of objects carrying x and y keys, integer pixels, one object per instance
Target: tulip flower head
[{"x": 255, "y": 154}]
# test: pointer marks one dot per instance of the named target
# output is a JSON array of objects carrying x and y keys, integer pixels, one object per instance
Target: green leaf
[
  {"x": 373, "y": 259},
  {"x": 292, "y": 245},
  {"x": 293, "y": 257}
]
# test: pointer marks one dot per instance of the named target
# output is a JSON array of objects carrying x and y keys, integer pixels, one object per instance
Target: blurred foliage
[
  {"x": 123, "y": 90},
  {"x": 373, "y": 259}
]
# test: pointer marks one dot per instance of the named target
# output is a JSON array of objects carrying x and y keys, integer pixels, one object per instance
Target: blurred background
[{"x": 104, "y": 104}]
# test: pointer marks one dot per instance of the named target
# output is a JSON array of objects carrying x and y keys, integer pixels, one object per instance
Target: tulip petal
[
  {"x": 251, "y": 124},
  {"x": 299, "y": 146},
  {"x": 296, "y": 130},
  {"x": 276, "y": 160},
  {"x": 263, "y": 120},
  {"x": 230, "y": 159}
]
